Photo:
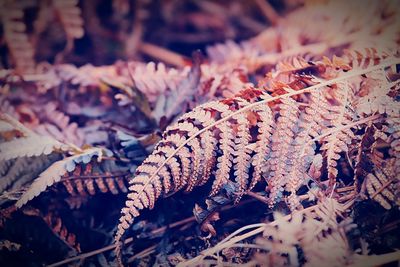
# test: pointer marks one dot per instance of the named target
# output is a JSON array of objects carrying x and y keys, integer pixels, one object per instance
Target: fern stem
[
  {"x": 258, "y": 197},
  {"x": 268, "y": 11},
  {"x": 163, "y": 54},
  {"x": 245, "y": 245},
  {"x": 344, "y": 127},
  {"x": 244, "y": 228},
  {"x": 94, "y": 176}
]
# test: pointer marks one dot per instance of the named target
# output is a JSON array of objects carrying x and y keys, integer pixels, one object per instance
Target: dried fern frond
[
  {"x": 230, "y": 53},
  {"x": 338, "y": 142},
  {"x": 379, "y": 101},
  {"x": 353, "y": 25},
  {"x": 56, "y": 224},
  {"x": 381, "y": 185},
  {"x": 54, "y": 173},
  {"x": 23, "y": 170},
  {"x": 10, "y": 246},
  {"x": 29, "y": 145},
  {"x": 155, "y": 79},
  {"x": 69, "y": 14},
  {"x": 34, "y": 145},
  {"x": 8, "y": 123},
  {"x": 21, "y": 50},
  {"x": 313, "y": 233},
  {"x": 226, "y": 133},
  {"x": 58, "y": 125},
  {"x": 92, "y": 178},
  {"x": 282, "y": 236}
]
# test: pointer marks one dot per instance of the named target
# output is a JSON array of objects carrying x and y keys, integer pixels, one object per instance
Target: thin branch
[
  {"x": 163, "y": 54},
  {"x": 268, "y": 11},
  {"x": 258, "y": 197},
  {"x": 112, "y": 246},
  {"x": 89, "y": 254},
  {"x": 344, "y": 127},
  {"x": 345, "y": 189},
  {"x": 386, "y": 184},
  {"x": 376, "y": 260},
  {"x": 143, "y": 253}
]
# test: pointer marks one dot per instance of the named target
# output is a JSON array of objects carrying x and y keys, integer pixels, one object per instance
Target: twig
[
  {"x": 388, "y": 227},
  {"x": 265, "y": 200},
  {"x": 268, "y": 11},
  {"x": 219, "y": 11},
  {"x": 143, "y": 253},
  {"x": 347, "y": 197},
  {"x": 258, "y": 197},
  {"x": 89, "y": 254},
  {"x": 376, "y": 260},
  {"x": 345, "y": 189},
  {"x": 383, "y": 187},
  {"x": 112, "y": 246},
  {"x": 163, "y": 54},
  {"x": 134, "y": 38}
]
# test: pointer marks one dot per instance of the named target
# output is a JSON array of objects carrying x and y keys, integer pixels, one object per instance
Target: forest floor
[{"x": 199, "y": 133}]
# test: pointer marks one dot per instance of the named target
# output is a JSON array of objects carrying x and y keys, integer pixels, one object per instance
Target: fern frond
[
  {"x": 5, "y": 127},
  {"x": 8, "y": 123},
  {"x": 10, "y": 246},
  {"x": 17, "y": 40},
  {"x": 314, "y": 232},
  {"x": 29, "y": 145},
  {"x": 377, "y": 99},
  {"x": 154, "y": 80},
  {"x": 23, "y": 170},
  {"x": 54, "y": 173},
  {"x": 338, "y": 142},
  {"x": 286, "y": 166},
  {"x": 69, "y": 14},
  {"x": 58, "y": 125},
  {"x": 266, "y": 126},
  {"x": 34, "y": 145},
  {"x": 234, "y": 54},
  {"x": 56, "y": 224},
  {"x": 89, "y": 180},
  {"x": 4, "y": 167},
  {"x": 363, "y": 59},
  {"x": 381, "y": 185},
  {"x": 382, "y": 182},
  {"x": 292, "y": 240},
  {"x": 282, "y": 156}
]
